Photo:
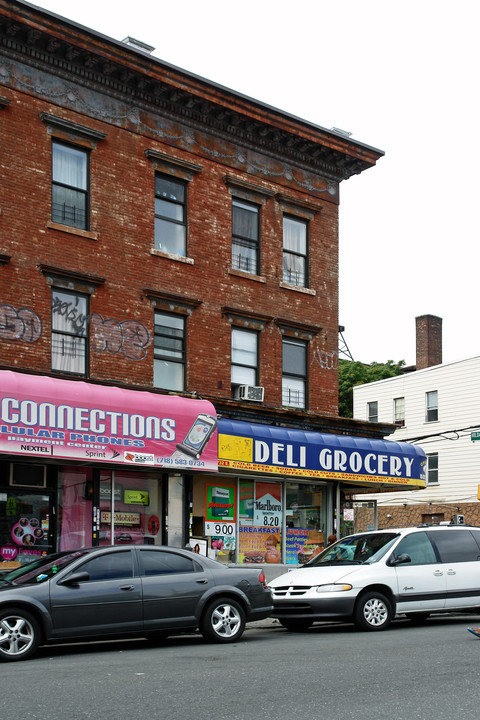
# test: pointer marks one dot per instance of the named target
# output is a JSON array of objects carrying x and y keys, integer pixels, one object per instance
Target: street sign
[{"x": 475, "y": 435}]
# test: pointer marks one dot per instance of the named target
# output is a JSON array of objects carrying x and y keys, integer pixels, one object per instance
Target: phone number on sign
[{"x": 182, "y": 462}]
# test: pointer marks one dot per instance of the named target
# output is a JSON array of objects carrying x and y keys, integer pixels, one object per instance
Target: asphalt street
[{"x": 332, "y": 671}]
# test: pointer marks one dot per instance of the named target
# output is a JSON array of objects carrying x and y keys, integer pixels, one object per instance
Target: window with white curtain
[
  {"x": 69, "y": 185},
  {"x": 244, "y": 367},
  {"x": 69, "y": 331},
  {"x": 295, "y": 251}
]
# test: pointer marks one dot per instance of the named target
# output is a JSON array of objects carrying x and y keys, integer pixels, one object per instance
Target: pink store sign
[{"x": 52, "y": 418}]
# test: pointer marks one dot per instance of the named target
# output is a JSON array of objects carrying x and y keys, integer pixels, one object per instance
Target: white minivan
[{"x": 370, "y": 577}]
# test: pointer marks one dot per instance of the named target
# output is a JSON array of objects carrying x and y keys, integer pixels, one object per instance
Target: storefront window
[
  {"x": 136, "y": 508},
  {"x": 260, "y": 522},
  {"x": 25, "y": 525},
  {"x": 75, "y": 493},
  {"x": 305, "y": 522},
  {"x": 254, "y": 521}
]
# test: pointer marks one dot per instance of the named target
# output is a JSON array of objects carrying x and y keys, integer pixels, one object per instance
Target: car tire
[
  {"x": 296, "y": 625},
  {"x": 373, "y": 611},
  {"x": 223, "y": 621},
  {"x": 19, "y": 635}
]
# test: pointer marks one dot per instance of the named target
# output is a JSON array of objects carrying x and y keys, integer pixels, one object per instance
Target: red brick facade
[{"x": 223, "y": 145}]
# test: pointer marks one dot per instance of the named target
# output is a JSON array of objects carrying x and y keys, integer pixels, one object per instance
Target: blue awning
[{"x": 284, "y": 451}]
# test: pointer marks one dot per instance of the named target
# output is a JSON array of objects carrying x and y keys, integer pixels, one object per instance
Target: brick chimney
[{"x": 429, "y": 341}]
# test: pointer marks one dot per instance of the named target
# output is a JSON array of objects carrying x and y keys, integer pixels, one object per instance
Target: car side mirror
[
  {"x": 401, "y": 559},
  {"x": 75, "y": 578}
]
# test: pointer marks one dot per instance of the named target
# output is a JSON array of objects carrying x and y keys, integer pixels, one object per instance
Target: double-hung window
[
  {"x": 70, "y": 323},
  {"x": 70, "y": 194},
  {"x": 169, "y": 352},
  {"x": 295, "y": 251},
  {"x": 399, "y": 411},
  {"x": 431, "y": 406},
  {"x": 294, "y": 372},
  {"x": 372, "y": 411},
  {"x": 245, "y": 237},
  {"x": 244, "y": 364},
  {"x": 432, "y": 469},
  {"x": 170, "y": 215}
]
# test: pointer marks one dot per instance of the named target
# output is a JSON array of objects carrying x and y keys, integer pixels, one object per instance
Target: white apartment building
[{"x": 438, "y": 408}]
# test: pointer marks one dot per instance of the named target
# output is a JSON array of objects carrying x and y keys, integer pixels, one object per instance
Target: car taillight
[{"x": 263, "y": 580}]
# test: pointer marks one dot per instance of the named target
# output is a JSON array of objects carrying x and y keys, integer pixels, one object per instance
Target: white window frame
[
  {"x": 240, "y": 364},
  {"x": 432, "y": 459},
  {"x": 372, "y": 416},
  {"x": 399, "y": 411},
  {"x": 431, "y": 406}
]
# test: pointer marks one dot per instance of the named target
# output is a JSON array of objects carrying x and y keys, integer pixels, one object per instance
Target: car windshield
[
  {"x": 355, "y": 550},
  {"x": 39, "y": 570}
]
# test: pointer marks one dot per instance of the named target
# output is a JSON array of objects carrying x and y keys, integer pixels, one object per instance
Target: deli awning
[
  {"x": 51, "y": 418},
  {"x": 357, "y": 461}
]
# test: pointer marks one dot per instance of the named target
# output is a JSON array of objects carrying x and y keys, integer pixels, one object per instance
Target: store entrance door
[{"x": 26, "y": 527}]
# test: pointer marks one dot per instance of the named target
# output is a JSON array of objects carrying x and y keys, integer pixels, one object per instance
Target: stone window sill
[
  {"x": 171, "y": 256},
  {"x": 297, "y": 288},
  {"x": 72, "y": 231},
  {"x": 246, "y": 275}
]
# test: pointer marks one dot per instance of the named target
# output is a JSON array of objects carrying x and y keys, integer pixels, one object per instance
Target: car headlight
[{"x": 333, "y": 588}]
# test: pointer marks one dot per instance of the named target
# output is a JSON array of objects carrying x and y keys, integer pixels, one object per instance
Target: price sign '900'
[{"x": 222, "y": 529}]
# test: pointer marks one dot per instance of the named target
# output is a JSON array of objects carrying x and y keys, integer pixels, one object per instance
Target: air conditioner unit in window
[{"x": 249, "y": 392}]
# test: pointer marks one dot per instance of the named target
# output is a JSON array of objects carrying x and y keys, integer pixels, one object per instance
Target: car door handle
[
  {"x": 451, "y": 572},
  {"x": 129, "y": 588},
  {"x": 438, "y": 573},
  {"x": 202, "y": 581}
]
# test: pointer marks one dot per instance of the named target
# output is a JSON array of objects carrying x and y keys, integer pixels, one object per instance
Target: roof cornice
[{"x": 52, "y": 43}]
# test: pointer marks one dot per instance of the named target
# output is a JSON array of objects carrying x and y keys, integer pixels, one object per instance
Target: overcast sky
[{"x": 400, "y": 76}]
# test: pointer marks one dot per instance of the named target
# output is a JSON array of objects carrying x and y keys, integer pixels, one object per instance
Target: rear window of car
[
  {"x": 456, "y": 546},
  {"x": 156, "y": 562}
]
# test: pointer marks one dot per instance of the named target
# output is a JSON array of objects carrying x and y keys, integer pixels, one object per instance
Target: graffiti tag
[
  {"x": 19, "y": 324},
  {"x": 130, "y": 337}
]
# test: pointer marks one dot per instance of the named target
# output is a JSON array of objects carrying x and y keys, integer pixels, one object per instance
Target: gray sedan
[{"x": 127, "y": 591}]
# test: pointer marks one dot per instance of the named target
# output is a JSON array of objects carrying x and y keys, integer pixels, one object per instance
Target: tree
[{"x": 352, "y": 373}]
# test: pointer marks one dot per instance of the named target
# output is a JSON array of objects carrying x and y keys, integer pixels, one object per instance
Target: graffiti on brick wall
[
  {"x": 22, "y": 324},
  {"x": 326, "y": 360},
  {"x": 130, "y": 337}
]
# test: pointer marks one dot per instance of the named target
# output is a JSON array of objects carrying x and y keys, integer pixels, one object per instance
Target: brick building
[{"x": 169, "y": 252}]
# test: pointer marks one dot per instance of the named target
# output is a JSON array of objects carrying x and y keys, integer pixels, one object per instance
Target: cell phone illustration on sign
[{"x": 196, "y": 439}]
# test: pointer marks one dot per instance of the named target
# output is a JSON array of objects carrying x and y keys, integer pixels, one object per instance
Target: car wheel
[
  {"x": 19, "y": 635},
  {"x": 373, "y": 611},
  {"x": 223, "y": 621},
  {"x": 296, "y": 625}
]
